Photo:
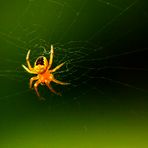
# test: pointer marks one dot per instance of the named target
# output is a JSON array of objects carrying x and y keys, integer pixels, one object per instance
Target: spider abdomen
[
  {"x": 40, "y": 64},
  {"x": 40, "y": 61}
]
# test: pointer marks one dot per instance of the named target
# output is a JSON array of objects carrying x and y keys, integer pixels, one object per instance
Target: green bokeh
[{"x": 99, "y": 114}]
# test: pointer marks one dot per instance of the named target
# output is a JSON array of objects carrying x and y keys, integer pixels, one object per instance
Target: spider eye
[{"x": 40, "y": 61}]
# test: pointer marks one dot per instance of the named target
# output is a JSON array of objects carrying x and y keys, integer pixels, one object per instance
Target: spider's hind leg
[{"x": 51, "y": 57}]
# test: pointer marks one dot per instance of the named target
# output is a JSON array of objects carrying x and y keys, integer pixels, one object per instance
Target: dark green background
[{"x": 105, "y": 46}]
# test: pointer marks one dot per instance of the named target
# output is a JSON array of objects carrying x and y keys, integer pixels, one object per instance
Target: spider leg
[
  {"x": 31, "y": 80},
  {"x": 28, "y": 70},
  {"x": 51, "y": 57},
  {"x": 57, "y": 67},
  {"x": 51, "y": 89},
  {"x": 36, "y": 87},
  {"x": 27, "y": 60},
  {"x": 59, "y": 82}
]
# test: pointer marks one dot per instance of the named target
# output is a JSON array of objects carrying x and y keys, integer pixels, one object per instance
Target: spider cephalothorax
[{"x": 43, "y": 72}]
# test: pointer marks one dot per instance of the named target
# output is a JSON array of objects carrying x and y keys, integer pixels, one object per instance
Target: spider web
[{"x": 92, "y": 65}]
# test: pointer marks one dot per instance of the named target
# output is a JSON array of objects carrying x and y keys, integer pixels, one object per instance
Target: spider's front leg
[
  {"x": 33, "y": 79},
  {"x": 51, "y": 89},
  {"x": 36, "y": 87}
]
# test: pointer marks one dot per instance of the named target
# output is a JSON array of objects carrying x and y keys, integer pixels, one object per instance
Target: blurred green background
[{"x": 104, "y": 44}]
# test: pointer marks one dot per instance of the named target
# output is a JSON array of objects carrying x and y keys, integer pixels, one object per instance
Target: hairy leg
[
  {"x": 59, "y": 82},
  {"x": 51, "y": 57},
  {"x": 28, "y": 70},
  {"x": 36, "y": 87},
  {"x": 32, "y": 79},
  {"x": 51, "y": 89},
  {"x": 27, "y": 60},
  {"x": 57, "y": 67}
]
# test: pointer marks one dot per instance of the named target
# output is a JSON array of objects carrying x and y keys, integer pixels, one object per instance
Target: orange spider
[{"x": 44, "y": 73}]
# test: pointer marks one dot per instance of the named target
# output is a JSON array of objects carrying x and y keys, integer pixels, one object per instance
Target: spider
[{"x": 43, "y": 72}]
